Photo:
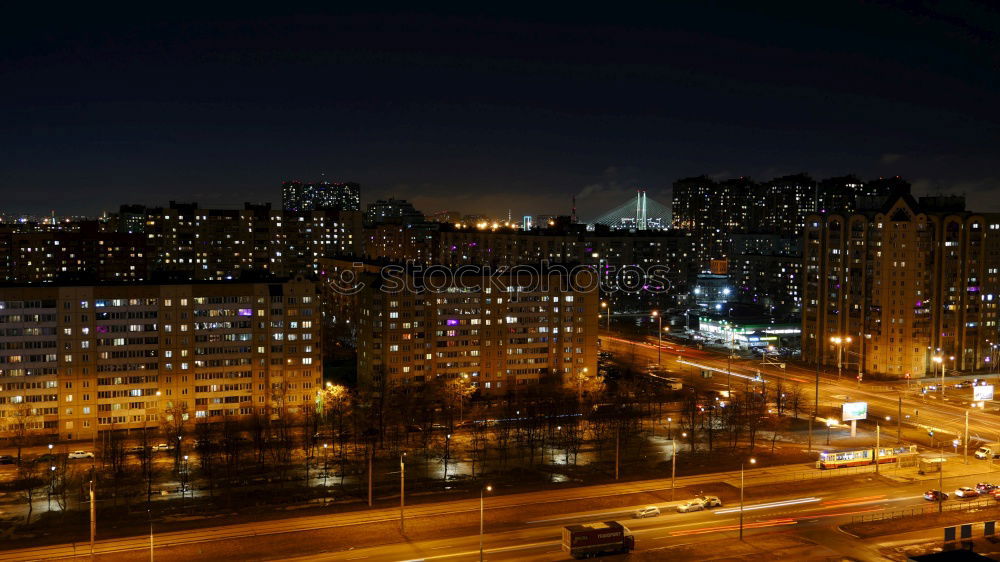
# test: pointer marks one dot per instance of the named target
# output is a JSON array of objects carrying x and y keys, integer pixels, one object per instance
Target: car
[
  {"x": 81, "y": 455},
  {"x": 47, "y": 457},
  {"x": 711, "y": 501},
  {"x": 985, "y": 487},
  {"x": 935, "y": 495},
  {"x": 162, "y": 447},
  {"x": 136, "y": 450},
  {"x": 966, "y": 492},
  {"x": 996, "y": 494},
  {"x": 691, "y": 505},
  {"x": 648, "y": 511},
  {"x": 6, "y": 459}
]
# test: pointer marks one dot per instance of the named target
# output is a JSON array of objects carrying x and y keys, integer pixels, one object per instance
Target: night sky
[{"x": 481, "y": 112}]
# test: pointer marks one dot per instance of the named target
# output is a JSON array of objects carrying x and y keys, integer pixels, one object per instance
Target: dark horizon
[{"x": 481, "y": 112}]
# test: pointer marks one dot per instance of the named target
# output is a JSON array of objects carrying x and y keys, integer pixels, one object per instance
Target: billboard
[
  {"x": 854, "y": 411},
  {"x": 982, "y": 392}
]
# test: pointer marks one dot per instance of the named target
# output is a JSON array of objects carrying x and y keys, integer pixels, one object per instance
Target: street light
[
  {"x": 940, "y": 361},
  {"x": 839, "y": 342},
  {"x": 604, "y": 304},
  {"x": 752, "y": 461},
  {"x": 326, "y": 466},
  {"x": 402, "y": 489},
  {"x": 673, "y": 467},
  {"x": 829, "y": 423},
  {"x": 669, "y": 427},
  {"x": 659, "y": 334},
  {"x": 482, "y": 493}
]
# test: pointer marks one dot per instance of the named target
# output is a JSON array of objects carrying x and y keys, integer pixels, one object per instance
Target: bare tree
[
  {"x": 29, "y": 479},
  {"x": 689, "y": 416},
  {"x": 174, "y": 427},
  {"x": 22, "y": 428}
]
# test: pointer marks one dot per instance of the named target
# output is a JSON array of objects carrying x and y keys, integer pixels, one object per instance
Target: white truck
[{"x": 988, "y": 451}]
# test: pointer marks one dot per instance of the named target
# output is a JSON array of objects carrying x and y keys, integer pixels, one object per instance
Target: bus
[{"x": 862, "y": 457}]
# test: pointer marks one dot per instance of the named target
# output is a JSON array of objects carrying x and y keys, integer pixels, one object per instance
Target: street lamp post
[
  {"x": 673, "y": 467},
  {"x": 402, "y": 490},
  {"x": 326, "y": 466},
  {"x": 965, "y": 440},
  {"x": 52, "y": 477},
  {"x": 940, "y": 361},
  {"x": 941, "y": 480},
  {"x": 670, "y": 434},
  {"x": 752, "y": 461},
  {"x": 447, "y": 455},
  {"x": 184, "y": 480},
  {"x": 829, "y": 424},
  {"x": 659, "y": 334},
  {"x": 604, "y": 304},
  {"x": 482, "y": 493},
  {"x": 839, "y": 341},
  {"x": 878, "y": 443}
]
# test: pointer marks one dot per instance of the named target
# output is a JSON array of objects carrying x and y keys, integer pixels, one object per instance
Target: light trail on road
[{"x": 768, "y": 505}]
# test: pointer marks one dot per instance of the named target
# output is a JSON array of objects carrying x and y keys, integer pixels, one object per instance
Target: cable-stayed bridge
[{"x": 641, "y": 213}]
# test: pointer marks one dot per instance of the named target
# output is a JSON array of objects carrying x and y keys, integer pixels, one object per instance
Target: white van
[{"x": 988, "y": 451}]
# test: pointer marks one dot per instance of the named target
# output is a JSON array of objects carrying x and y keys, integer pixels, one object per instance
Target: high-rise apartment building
[
  {"x": 181, "y": 242},
  {"x": 913, "y": 286},
  {"x": 500, "y": 333},
  {"x": 320, "y": 196},
  {"x": 81, "y": 359},
  {"x": 392, "y": 211}
]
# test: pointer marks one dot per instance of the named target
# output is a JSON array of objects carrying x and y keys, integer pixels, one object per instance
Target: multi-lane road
[
  {"x": 527, "y": 526},
  {"x": 930, "y": 412}
]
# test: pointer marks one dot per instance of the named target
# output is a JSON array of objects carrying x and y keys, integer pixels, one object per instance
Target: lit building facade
[
  {"x": 77, "y": 360},
  {"x": 912, "y": 285},
  {"x": 178, "y": 242},
  {"x": 500, "y": 333},
  {"x": 320, "y": 196}
]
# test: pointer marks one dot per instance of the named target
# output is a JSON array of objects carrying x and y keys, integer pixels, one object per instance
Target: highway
[
  {"x": 927, "y": 411},
  {"x": 512, "y": 502},
  {"x": 814, "y": 515},
  {"x": 519, "y": 533}
]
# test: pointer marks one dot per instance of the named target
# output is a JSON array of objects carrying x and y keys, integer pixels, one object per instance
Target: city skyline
[{"x": 699, "y": 282}]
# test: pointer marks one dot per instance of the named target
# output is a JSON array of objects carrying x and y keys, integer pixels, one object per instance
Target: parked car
[
  {"x": 935, "y": 495},
  {"x": 648, "y": 511},
  {"x": 81, "y": 455},
  {"x": 163, "y": 447},
  {"x": 711, "y": 501},
  {"x": 996, "y": 494},
  {"x": 47, "y": 457},
  {"x": 966, "y": 492},
  {"x": 691, "y": 505},
  {"x": 6, "y": 459},
  {"x": 137, "y": 450},
  {"x": 985, "y": 487}
]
